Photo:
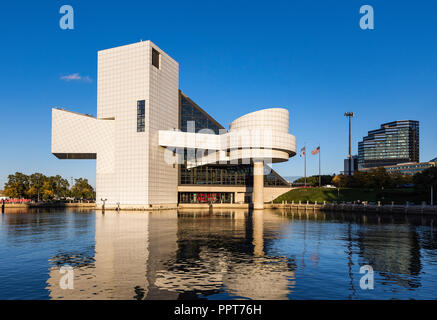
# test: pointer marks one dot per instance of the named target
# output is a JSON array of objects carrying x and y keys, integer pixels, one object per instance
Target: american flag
[
  {"x": 315, "y": 151},
  {"x": 302, "y": 151}
]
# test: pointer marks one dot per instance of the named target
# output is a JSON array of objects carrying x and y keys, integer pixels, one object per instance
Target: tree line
[
  {"x": 376, "y": 178},
  {"x": 39, "y": 187},
  {"x": 379, "y": 178},
  {"x": 313, "y": 181},
  {"x": 425, "y": 180}
]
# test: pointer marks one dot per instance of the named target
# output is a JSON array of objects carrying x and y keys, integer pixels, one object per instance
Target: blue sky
[{"x": 310, "y": 57}]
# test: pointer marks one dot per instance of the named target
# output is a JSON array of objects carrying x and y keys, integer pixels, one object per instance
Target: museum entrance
[{"x": 206, "y": 197}]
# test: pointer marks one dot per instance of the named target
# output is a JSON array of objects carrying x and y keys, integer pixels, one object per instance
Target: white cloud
[
  {"x": 87, "y": 79},
  {"x": 76, "y": 77}
]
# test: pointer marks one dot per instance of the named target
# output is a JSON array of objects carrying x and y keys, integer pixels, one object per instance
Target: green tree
[
  {"x": 59, "y": 186},
  {"x": 361, "y": 179},
  {"x": 314, "y": 180},
  {"x": 376, "y": 178},
  {"x": 82, "y": 189},
  {"x": 423, "y": 181},
  {"x": 380, "y": 178},
  {"x": 17, "y": 185},
  {"x": 426, "y": 178},
  {"x": 400, "y": 179},
  {"x": 36, "y": 184}
]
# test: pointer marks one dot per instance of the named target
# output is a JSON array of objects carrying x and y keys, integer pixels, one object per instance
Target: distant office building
[
  {"x": 354, "y": 165},
  {"x": 394, "y": 143},
  {"x": 408, "y": 168}
]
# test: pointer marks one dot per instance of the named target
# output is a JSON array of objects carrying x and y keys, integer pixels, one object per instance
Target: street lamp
[{"x": 349, "y": 115}]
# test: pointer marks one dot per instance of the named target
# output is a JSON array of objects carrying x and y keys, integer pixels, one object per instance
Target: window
[
  {"x": 155, "y": 58},
  {"x": 141, "y": 114}
]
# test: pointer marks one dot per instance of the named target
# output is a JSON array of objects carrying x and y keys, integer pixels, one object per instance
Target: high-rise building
[
  {"x": 354, "y": 165},
  {"x": 144, "y": 126},
  {"x": 395, "y": 142}
]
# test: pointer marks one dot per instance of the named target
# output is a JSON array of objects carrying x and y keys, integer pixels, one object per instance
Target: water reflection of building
[
  {"x": 119, "y": 267},
  {"x": 398, "y": 258},
  {"x": 166, "y": 256},
  {"x": 217, "y": 253},
  {"x": 389, "y": 243},
  {"x": 170, "y": 255}
]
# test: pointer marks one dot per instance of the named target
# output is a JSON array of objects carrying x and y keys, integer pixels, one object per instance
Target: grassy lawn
[{"x": 399, "y": 196}]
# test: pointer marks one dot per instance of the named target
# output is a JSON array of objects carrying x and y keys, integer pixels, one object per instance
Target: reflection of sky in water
[
  {"x": 229, "y": 255},
  {"x": 28, "y": 242}
]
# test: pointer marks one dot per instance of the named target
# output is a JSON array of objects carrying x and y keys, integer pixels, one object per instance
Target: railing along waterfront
[{"x": 407, "y": 208}]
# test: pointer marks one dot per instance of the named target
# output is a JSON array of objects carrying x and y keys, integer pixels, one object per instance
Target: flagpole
[
  {"x": 320, "y": 179},
  {"x": 305, "y": 166}
]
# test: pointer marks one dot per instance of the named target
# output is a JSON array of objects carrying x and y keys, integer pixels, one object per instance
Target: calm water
[{"x": 226, "y": 255}]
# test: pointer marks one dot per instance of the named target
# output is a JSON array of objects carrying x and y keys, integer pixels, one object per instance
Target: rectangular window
[
  {"x": 155, "y": 58},
  {"x": 141, "y": 114}
]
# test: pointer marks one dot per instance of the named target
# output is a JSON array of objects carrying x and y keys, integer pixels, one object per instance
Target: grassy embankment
[{"x": 399, "y": 196}]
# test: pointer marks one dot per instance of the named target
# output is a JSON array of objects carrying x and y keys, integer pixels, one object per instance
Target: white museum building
[{"x": 156, "y": 148}]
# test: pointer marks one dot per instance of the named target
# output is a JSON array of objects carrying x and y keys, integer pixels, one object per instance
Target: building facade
[
  {"x": 155, "y": 147},
  {"x": 354, "y": 165},
  {"x": 409, "y": 168},
  {"x": 394, "y": 143}
]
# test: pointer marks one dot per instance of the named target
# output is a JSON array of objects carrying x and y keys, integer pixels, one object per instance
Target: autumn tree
[
  {"x": 17, "y": 185},
  {"x": 82, "y": 189},
  {"x": 340, "y": 181},
  {"x": 59, "y": 186},
  {"x": 36, "y": 184},
  {"x": 47, "y": 190}
]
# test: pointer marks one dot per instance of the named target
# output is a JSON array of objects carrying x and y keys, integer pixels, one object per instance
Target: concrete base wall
[
  {"x": 271, "y": 193},
  {"x": 139, "y": 207}
]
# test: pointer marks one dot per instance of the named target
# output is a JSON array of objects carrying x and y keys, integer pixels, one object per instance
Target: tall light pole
[{"x": 349, "y": 115}]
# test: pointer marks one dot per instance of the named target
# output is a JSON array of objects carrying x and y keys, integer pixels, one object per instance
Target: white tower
[{"x": 137, "y": 95}]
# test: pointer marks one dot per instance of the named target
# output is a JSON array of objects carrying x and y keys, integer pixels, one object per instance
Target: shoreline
[{"x": 339, "y": 207}]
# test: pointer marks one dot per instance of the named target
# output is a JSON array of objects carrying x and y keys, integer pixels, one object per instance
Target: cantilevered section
[
  {"x": 80, "y": 136},
  {"x": 259, "y": 137}
]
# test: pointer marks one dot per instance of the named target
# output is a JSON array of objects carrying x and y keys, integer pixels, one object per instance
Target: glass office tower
[{"x": 395, "y": 142}]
